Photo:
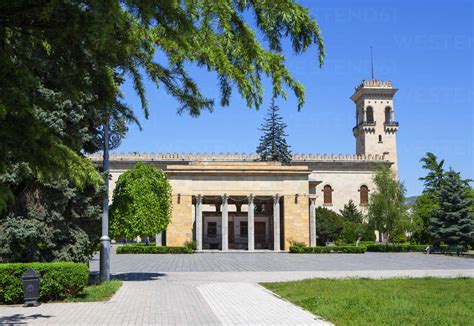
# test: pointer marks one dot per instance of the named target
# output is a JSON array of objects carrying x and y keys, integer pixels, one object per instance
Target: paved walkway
[
  {"x": 222, "y": 289},
  {"x": 275, "y": 262}
]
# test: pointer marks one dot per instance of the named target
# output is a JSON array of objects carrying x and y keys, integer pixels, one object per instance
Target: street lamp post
[{"x": 104, "y": 239}]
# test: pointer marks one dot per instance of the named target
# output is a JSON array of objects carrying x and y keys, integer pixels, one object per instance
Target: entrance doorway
[
  {"x": 231, "y": 235},
  {"x": 260, "y": 242}
]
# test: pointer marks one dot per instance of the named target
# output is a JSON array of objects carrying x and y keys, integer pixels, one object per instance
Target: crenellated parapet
[
  {"x": 374, "y": 83},
  {"x": 230, "y": 157}
]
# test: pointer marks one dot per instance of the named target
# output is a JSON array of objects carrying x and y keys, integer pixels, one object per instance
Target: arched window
[
  {"x": 327, "y": 190},
  {"x": 370, "y": 114},
  {"x": 388, "y": 114},
  {"x": 364, "y": 195}
]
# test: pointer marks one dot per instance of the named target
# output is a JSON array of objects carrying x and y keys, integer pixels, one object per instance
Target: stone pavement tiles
[
  {"x": 222, "y": 289},
  {"x": 166, "y": 302},
  {"x": 275, "y": 262}
]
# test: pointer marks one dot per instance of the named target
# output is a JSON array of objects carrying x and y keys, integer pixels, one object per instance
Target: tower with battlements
[{"x": 376, "y": 129}]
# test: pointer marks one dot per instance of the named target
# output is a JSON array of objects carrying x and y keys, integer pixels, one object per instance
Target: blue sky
[{"x": 424, "y": 47}]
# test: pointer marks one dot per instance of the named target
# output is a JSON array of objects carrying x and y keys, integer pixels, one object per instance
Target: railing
[{"x": 391, "y": 124}]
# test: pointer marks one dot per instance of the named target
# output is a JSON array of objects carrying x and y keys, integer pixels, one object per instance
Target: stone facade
[{"x": 212, "y": 193}]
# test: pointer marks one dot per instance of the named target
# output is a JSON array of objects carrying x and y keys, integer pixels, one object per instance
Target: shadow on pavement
[
  {"x": 17, "y": 319},
  {"x": 137, "y": 276},
  {"x": 132, "y": 276}
]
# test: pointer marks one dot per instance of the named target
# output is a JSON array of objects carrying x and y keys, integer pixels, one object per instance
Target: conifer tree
[
  {"x": 452, "y": 222},
  {"x": 351, "y": 213},
  {"x": 273, "y": 146}
]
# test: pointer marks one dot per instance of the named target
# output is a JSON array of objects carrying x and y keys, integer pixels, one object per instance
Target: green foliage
[
  {"x": 352, "y": 231},
  {"x": 386, "y": 206},
  {"x": 62, "y": 64},
  {"x": 434, "y": 178},
  {"x": 100, "y": 292},
  {"x": 329, "y": 225},
  {"x": 49, "y": 221},
  {"x": 57, "y": 280},
  {"x": 142, "y": 249},
  {"x": 453, "y": 222},
  {"x": 423, "y": 211},
  {"x": 191, "y": 245},
  {"x": 353, "y": 225},
  {"x": 273, "y": 146},
  {"x": 141, "y": 203},
  {"x": 396, "y": 301},
  {"x": 395, "y": 247},
  {"x": 351, "y": 213},
  {"x": 327, "y": 250}
]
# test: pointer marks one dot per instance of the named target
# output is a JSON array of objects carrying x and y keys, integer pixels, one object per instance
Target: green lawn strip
[
  {"x": 409, "y": 301},
  {"x": 100, "y": 292}
]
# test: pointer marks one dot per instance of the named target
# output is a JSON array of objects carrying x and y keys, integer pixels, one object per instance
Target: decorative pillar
[
  {"x": 159, "y": 239},
  {"x": 312, "y": 222},
  {"x": 251, "y": 224},
  {"x": 199, "y": 222},
  {"x": 276, "y": 222},
  {"x": 225, "y": 223}
]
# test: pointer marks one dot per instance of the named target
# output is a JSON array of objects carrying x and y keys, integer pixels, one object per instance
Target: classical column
[
  {"x": 159, "y": 239},
  {"x": 276, "y": 222},
  {"x": 312, "y": 222},
  {"x": 199, "y": 222},
  {"x": 225, "y": 223},
  {"x": 251, "y": 224}
]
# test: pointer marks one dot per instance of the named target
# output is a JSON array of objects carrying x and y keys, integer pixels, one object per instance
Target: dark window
[
  {"x": 244, "y": 231},
  {"x": 211, "y": 229},
  {"x": 370, "y": 114},
  {"x": 388, "y": 114},
  {"x": 380, "y": 138},
  {"x": 327, "y": 194},
  {"x": 364, "y": 195}
]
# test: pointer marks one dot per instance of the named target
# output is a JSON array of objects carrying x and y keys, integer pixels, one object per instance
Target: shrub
[
  {"x": 327, "y": 250},
  {"x": 329, "y": 225},
  {"x": 57, "y": 280},
  {"x": 142, "y": 249},
  {"x": 395, "y": 248},
  {"x": 191, "y": 245},
  {"x": 297, "y": 243}
]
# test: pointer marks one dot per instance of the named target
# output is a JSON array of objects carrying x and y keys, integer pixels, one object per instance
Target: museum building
[{"x": 234, "y": 202}]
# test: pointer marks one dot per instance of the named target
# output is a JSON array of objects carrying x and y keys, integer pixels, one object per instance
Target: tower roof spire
[{"x": 372, "y": 62}]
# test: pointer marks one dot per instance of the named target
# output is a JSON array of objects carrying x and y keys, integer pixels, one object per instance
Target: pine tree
[
  {"x": 273, "y": 146},
  {"x": 452, "y": 222},
  {"x": 351, "y": 213}
]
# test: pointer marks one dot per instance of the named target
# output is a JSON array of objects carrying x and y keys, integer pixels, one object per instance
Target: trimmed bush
[
  {"x": 327, "y": 250},
  {"x": 57, "y": 280},
  {"x": 142, "y": 249},
  {"x": 395, "y": 248}
]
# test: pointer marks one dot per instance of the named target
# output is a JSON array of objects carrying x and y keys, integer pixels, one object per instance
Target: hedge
[
  {"x": 142, "y": 249},
  {"x": 57, "y": 280},
  {"x": 395, "y": 248},
  {"x": 327, "y": 250}
]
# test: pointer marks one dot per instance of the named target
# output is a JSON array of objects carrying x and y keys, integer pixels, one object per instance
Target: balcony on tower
[{"x": 390, "y": 125}]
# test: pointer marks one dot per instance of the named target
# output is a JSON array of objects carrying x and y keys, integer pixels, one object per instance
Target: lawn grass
[
  {"x": 425, "y": 301},
  {"x": 100, "y": 292}
]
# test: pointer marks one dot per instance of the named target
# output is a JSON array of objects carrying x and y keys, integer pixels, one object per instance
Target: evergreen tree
[
  {"x": 62, "y": 65},
  {"x": 452, "y": 222},
  {"x": 434, "y": 178},
  {"x": 273, "y": 146},
  {"x": 351, "y": 213}
]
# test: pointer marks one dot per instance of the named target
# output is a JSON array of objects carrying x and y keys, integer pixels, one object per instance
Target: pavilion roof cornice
[{"x": 233, "y": 157}]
